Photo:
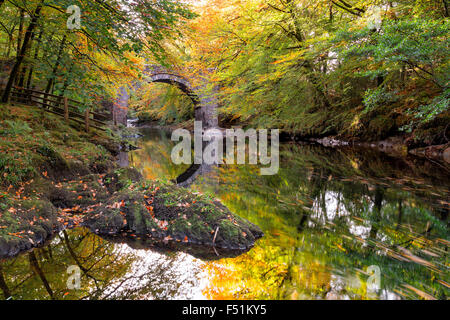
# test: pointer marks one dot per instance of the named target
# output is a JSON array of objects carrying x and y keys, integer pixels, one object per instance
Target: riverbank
[
  {"x": 398, "y": 146},
  {"x": 55, "y": 176}
]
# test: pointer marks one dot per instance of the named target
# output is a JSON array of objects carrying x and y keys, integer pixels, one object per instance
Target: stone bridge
[{"x": 205, "y": 106}]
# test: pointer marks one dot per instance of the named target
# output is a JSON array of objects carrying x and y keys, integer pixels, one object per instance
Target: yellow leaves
[
  {"x": 289, "y": 57},
  {"x": 340, "y": 247}
]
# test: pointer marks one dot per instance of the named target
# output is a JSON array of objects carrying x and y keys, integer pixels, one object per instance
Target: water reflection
[
  {"x": 108, "y": 271},
  {"x": 153, "y": 156},
  {"x": 330, "y": 217}
]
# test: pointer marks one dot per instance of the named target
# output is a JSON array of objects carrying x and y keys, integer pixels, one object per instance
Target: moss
[
  {"x": 121, "y": 178},
  {"x": 228, "y": 230},
  {"x": 380, "y": 127},
  {"x": 27, "y": 223},
  {"x": 179, "y": 228},
  {"x": 198, "y": 231}
]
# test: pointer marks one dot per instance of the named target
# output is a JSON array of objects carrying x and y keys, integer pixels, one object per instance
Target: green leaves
[{"x": 94, "y": 60}]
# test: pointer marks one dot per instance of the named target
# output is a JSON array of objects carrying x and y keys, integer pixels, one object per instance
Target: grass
[{"x": 30, "y": 137}]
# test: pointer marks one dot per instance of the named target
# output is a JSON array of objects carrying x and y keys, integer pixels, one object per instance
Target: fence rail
[{"x": 61, "y": 106}]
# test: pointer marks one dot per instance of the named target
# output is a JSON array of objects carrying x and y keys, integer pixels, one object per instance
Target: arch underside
[
  {"x": 205, "y": 106},
  {"x": 180, "y": 83}
]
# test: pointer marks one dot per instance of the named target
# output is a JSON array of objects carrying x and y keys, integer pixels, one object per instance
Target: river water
[{"x": 339, "y": 224}]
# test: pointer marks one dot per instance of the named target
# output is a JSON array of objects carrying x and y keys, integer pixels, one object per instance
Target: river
[{"x": 339, "y": 224}]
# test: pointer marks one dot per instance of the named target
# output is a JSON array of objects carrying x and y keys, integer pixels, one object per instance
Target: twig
[
  {"x": 214, "y": 241},
  {"x": 215, "y": 235}
]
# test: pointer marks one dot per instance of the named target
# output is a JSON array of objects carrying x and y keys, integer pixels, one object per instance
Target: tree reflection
[
  {"x": 328, "y": 216},
  {"x": 108, "y": 271}
]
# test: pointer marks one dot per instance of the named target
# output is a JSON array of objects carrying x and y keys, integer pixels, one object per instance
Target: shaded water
[{"x": 334, "y": 219}]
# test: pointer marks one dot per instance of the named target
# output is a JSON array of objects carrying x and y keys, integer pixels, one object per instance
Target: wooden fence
[{"x": 61, "y": 106}]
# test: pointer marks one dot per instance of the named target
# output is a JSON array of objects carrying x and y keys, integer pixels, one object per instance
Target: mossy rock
[
  {"x": 167, "y": 212},
  {"x": 121, "y": 203},
  {"x": 111, "y": 145},
  {"x": 83, "y": 192},
  {"x": 53, "y": 161},
  {"x": 27, "y": 224},
  {"x": 199, "y": 219},
  {"x": 121, "y": 178},
  {"x": 171, "y": 213}
]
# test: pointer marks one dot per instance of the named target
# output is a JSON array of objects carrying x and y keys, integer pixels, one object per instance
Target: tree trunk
[
  {"x": 24, "y": 67},
  {"x": 19, "y": 36},
  {"x": 19, "y": 40},
  {"x": 3, "y": 284},
  {"x": 37, "y": 269},
  {"x": 36, "y": 54},
  {"x": 10, "y": 43},
  {"x": 51, "y": 80},
  {"x": 377, "y": 204},
  {"x": 20, "y": 58},
  {"x": 400, "y": 215}
]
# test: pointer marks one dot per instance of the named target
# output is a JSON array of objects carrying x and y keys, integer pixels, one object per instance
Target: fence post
[
  {"x": 30, "y": 98},
  {"x": 86, "y": 119},
  {"x": 66, "y": 109}
]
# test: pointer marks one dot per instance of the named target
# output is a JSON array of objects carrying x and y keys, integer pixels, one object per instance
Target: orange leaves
[
  {"x": 16, "y": 234},
  {"x": 117, "y": 205},
  {"x": 150, "y": 210}
]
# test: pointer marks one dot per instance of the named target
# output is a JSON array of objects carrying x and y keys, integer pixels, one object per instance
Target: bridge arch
[{"x": 205, "y": 106}]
